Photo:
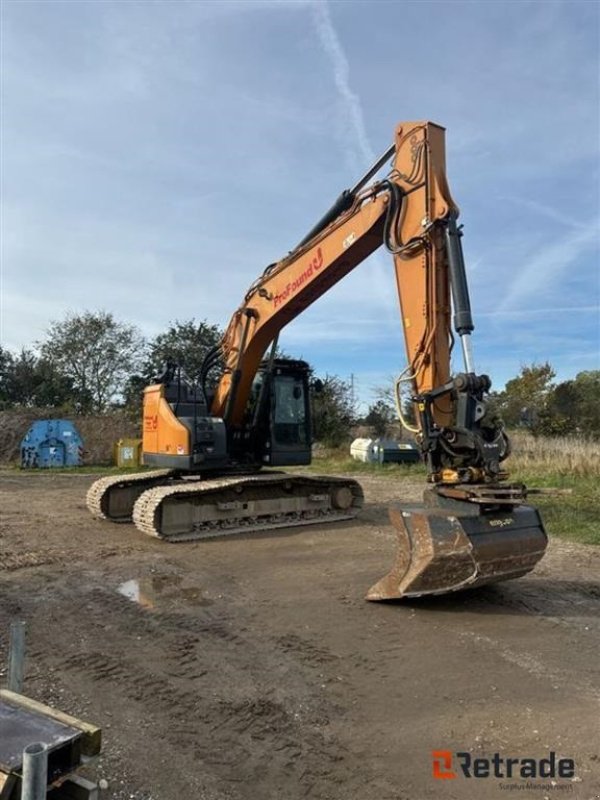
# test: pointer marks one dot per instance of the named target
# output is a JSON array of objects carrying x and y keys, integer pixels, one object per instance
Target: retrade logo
[
  {"x": 442, "y": 764},
  {"x": 497, "y": 766}
]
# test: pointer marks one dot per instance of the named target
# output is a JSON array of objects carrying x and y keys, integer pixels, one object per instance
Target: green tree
[
  {"x": 333, "y": 411},
  {"x": 585, "y": 417},
  {"x": 573, "y": 406},
  {"x": 96, "y": 353},
  {"x": 29, "y": 381},
  {"x": 380, "y": 416},
  {"x": 385, "y": 394},
  {"x": 185, "y": 343},
  {"x": 6, "y": 377},
  {"x": 524, "y": 398}
]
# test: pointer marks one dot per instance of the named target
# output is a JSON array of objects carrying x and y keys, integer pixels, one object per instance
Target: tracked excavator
[{"x": 216, "y": 452}]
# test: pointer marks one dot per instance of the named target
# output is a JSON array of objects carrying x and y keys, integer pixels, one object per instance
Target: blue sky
[{"x": 157, "y": 155}]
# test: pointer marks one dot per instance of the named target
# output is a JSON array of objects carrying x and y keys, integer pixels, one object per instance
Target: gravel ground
[{"x": 252, "y": 668}]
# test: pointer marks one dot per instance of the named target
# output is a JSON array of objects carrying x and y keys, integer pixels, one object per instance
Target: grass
[
  {"x": 574, "y": 516},
  {"x": 567, "y": 463},
  {"x": 340, "y": 461},
  {"x": 562, "y": 455}
]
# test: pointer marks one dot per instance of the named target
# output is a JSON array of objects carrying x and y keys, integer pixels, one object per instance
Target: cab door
[{"x": 290, "y": 428}]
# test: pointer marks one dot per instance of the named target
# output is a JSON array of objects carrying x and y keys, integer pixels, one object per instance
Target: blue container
[{"x": 52, "y": 443}]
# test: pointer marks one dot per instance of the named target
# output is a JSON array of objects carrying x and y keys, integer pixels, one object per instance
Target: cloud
[
  {"x": 556, "y": 215},
  {"x": 332, "y": 47},
  {"x": 541, "y": 273},
  {"x": 540, "y": 311}
]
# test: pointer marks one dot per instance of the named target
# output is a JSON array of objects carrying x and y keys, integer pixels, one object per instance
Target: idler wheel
[{"x": 341, "y": 498}]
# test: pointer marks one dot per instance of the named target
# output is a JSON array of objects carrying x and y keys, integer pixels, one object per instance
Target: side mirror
[{"x": 317, "y": 386}]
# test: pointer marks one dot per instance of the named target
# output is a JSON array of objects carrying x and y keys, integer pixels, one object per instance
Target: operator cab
[{"x": 279, "y": 413}]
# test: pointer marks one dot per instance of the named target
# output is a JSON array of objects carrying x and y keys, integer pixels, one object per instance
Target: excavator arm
[
  {"x": 404, "y": 210},
  {"x": 412, "y": 212}
]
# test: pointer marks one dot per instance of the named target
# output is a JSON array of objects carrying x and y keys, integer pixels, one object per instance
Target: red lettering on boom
[{"x": 292, "y": 287}]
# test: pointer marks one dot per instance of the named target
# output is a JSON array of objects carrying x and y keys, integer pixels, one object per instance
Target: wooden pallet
[{"x": 24, "y": 721}]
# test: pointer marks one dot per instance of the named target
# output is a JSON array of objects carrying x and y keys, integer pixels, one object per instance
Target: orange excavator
[{"x": 214, "y": 451}]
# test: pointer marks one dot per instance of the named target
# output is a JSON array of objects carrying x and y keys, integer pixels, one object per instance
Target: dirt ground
[{"x": 252, "y": 668}]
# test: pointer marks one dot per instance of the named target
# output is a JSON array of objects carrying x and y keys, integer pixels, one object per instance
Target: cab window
[{"x": 289, "y": 411}]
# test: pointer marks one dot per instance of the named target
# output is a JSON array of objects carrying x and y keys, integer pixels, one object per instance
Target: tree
[
  {"x": 524, "y": 397},
  {"x": 385, "y": 395},
  {"x": 572, "y": 407},
  {"x": 333, "y": 411},
  {"x": 380, "y": 416},
  {"x": 96, "y": 353},
  {"x": 29, "y": 381},
  {"x": 185, "y": 343},
  {"x": 6, "y": 377},
  {"x": 585, "y": 411}
]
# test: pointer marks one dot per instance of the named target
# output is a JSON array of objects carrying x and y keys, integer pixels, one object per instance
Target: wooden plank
[{"x": 92, "y": 735}]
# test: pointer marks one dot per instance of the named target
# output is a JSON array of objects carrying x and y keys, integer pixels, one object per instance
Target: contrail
[
  {"x": 341, "y": 75},
  {"x": 549, "y": 263},
  {"x": 527, "y": 312},
  {"x": 357, "y": 145}
]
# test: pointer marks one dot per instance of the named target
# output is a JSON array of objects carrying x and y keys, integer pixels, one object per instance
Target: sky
[{"x": 156, "y": 156}]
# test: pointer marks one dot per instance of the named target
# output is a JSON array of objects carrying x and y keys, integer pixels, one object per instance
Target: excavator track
[
  {"x": 113, "y": 497},
  {"x": 218, "y": 507}
]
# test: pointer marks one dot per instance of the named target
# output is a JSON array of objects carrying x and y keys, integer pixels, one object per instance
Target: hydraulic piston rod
[
  {"x": 463, "y": 320},
  {"x": 347, "y": 197}
]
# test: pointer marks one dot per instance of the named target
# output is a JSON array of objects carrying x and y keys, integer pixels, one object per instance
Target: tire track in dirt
[
  {"x": 245, "y": 731},
  {"x": 305, "y": 650},
  {"x": 11, "y": 560},
  {"x": 240, "y": 737},
  {"x": 128, "y": 678},
  {"x": 14, "y": 560}
]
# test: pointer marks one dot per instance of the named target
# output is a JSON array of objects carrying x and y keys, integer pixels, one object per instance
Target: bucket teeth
[{"x": 440, "y": 552}]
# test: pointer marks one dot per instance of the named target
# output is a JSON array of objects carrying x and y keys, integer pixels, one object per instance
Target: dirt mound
[{"x": 98, "y": 431}]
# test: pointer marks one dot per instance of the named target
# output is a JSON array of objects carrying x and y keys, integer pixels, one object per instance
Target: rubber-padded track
[
  {"x": 97, "y": 493},
  {"x": 148, "y": 508}
]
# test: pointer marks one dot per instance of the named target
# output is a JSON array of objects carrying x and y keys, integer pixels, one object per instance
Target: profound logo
[
  {"x": 314, "y": 265},
  {"x": 151, "y": 422}
]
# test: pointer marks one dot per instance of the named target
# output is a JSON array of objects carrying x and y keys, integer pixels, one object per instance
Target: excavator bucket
[{"x": 445, "y": 551}]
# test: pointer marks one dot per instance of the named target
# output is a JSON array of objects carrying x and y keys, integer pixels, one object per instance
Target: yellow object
[{"x": 128, "y": 453}]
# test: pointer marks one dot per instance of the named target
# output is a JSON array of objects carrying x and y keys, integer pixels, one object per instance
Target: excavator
[{"x": 215, "y": 449}]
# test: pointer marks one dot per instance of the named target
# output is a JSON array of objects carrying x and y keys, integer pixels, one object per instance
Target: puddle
[
  {"x": 164, "y": 590},
  {"x": 132, "y": 591}
]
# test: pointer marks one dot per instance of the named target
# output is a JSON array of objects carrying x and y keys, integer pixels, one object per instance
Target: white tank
[{"x": 363, "y": 450}]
